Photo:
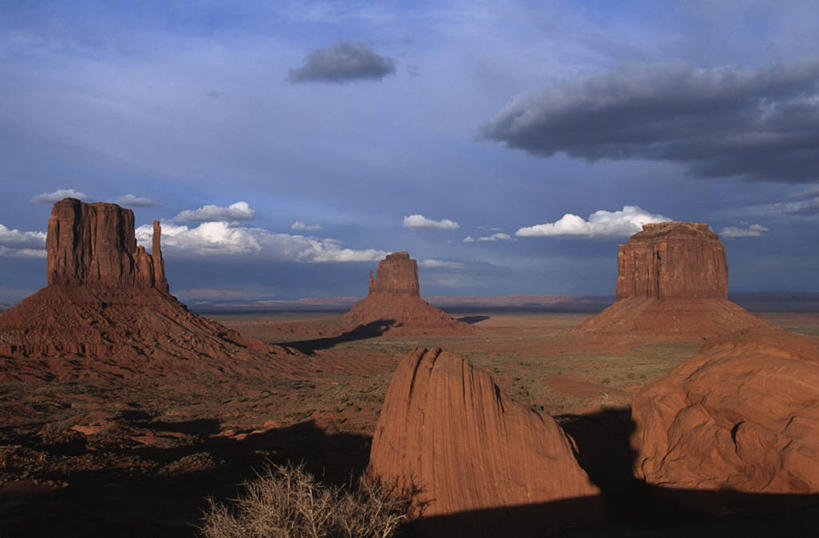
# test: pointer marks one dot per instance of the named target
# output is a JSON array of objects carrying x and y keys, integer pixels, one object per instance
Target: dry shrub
[{"x": 287, "y": 501}]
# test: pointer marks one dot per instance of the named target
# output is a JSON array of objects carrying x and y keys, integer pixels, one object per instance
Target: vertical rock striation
[
  {"x": 397, "y": 275},
  {"x": 94, "y": 245},
  {"x": 673, "y": 259},
  {"x": 447, "y": 429}
]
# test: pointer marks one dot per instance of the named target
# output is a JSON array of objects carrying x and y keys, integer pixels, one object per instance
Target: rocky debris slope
[
  {"x": 446, "y": 428},
  {"x": 394, "y": 297},
  {"x": 742, "y": 415},
  {"x": 672, "y": 285},
  {"x": 107, "y": 310}
]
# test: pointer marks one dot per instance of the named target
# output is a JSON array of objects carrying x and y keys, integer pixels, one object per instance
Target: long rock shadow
[
  {"x": 471, "y": 320},
  {"x": 373, "y": 329},
  {"x": 164, "y": 491}
]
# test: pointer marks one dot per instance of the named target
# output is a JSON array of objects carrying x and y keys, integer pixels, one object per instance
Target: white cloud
[
  {"x": 754, "y": 230},
  {"x": 211, "y": 213},
  {"x": 299, "y": 225},
  {"x": 56, "y": 196},
  {"x": 469, "y": 239},
  {"x": 441, "y": 264},
  {"x": 22, "y": 252},
  {"x": 601, "y": 223},
  {"x": 420, "y": 221},
  {"x": 496, "y": 237},
  {"x": 225, "y": 239},
  {"x": 132, "y": 200}
]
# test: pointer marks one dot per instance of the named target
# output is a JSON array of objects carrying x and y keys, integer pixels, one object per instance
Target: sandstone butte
[
  {"x": 672, "y": 285},
  {"x": 484, "y": 465},
  {"x": 742, "y": 415},
  {"x": 107, "y": 310},
  {"x": 394, "y": 299}
]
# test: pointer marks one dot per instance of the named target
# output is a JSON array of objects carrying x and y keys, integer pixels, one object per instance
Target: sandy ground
[{"x": 141, "y": 456}]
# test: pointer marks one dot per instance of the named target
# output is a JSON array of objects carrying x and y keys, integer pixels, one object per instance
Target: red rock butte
[
  {"x": 672, "y": 285},
  {"x": 94, "y": 245},
  {"x": 106, "y": 311},
  {"x": 394, "y": 299},
  {"x": 742, "y": 415},
  {"x": 447, "y": 430}
]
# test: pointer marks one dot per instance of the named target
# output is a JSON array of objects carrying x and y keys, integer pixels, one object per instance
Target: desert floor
[{"x": 142, "y": 456}]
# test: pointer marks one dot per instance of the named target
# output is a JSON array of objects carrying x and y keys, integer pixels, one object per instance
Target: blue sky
[{"x": 508, "y": 146}]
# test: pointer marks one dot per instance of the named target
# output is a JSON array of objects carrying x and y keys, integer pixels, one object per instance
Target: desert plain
[{"x": 140, "y": 455}]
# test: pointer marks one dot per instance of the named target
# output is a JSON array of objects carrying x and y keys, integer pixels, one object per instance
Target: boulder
[
  {"x": 742, "y": 415},
  {"x": 483, "y": 464}
]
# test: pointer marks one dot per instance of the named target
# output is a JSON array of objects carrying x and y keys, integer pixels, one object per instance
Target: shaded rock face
[
  {"x": 397, "y": 275},
  {"x": 394, "y": 298},
  {"x": 94, "y": 244},
  {"x": 672, "y": 286},
  {"x": 106, "y": 311},
  {"x": 742, "y": 415},
  {"x": 447, "y": 429},
  {"x": 673, "y": 260}
]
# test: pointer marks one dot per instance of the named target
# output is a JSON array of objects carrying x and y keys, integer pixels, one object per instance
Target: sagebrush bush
[{"x": 287, "y": 501}]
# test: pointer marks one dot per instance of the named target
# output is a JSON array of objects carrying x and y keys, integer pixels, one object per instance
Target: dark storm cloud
[
  {"x": 344, "y": 62},
  {"x": 760, "y": 125}
]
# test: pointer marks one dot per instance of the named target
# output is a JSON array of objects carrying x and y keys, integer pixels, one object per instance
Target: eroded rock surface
[
  {"x": 394, "y": 298},
  {"x": 672, "y": 286},
  {"x": 742, "y": 415},
  {"x": 447, "y": 429},
  {"x": 107, "y": 312},
  {"x": 673, "y": 260},
  {"x": 94, "y": 244}
]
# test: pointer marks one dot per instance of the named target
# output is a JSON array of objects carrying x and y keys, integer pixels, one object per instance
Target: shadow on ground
[
  {"x": 168, "y": 496},
  {"x": 472, "y": 320},
  {"x": 373, "y": 329}
]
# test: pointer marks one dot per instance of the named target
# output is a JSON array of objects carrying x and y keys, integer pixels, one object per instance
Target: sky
[{"x": 286, "y": 147}]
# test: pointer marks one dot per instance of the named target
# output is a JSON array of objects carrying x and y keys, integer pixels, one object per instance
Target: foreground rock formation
[
  {"x": 107, "y": 312},
  {"x": 672, "y": 285},
  {"x": 742, "y": 415},
  {"x": 394, "y": 300},
  {"x": 484, "y": 464}
]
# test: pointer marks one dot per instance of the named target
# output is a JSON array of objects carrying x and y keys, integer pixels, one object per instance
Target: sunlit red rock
[
  {"x": 394, "y": 300},
  {"x": 742, "y": 415},
  {"x": 447, "y": 429}
]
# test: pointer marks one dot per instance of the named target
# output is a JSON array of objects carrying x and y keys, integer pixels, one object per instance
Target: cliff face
[
  {"x": 673, "y": 260},
  {"x": 448, "y": 430},
  {"x": 397, "y": 275},
  {"x": 94, "y": 244}
]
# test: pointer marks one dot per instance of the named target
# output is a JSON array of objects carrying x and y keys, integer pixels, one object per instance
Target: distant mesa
[
  {"x": 447, "y": 430},
  {"x": 394, "y": 298},
  {"x": 107, "y": 311},
  {"x": 743, "y": 415},
  {"x": 672, "y": 285}
]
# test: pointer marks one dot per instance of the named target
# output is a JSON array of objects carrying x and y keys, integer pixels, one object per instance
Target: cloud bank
[
  {"x": 754, "y": 230},
  {"x": 623, "y": 223},
  {"x": 299, "y": 225},
  {"x": 14, "y": 243},
  {"x": 223, "y": 239},
  {"x": 132, "y": 200},
  {"x": 756, "y": 124},
  {"x": 343, "y": 62},
  {"x": 420, "y": 221},
  {"x": 237, "y": 211},
  {"x": 56, "y": 196}
]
